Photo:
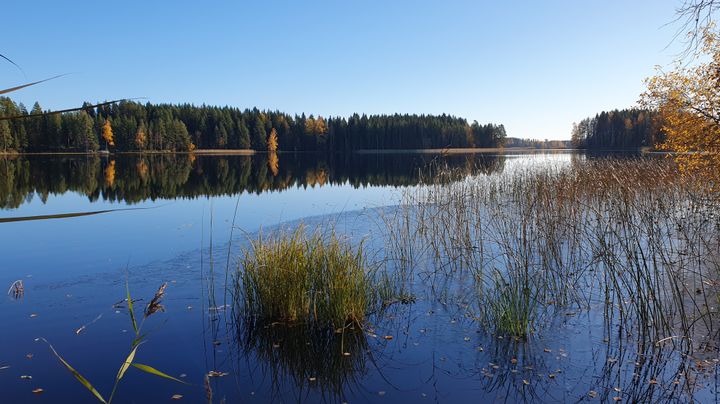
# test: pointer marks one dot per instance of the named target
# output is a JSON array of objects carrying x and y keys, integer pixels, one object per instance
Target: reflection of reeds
[
  {"x": 313, "y": 359},
  {"x": 17, "y": 289}
]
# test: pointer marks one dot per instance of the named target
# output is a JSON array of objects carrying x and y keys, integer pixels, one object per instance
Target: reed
[
  {"x": 302, "y": 277},
  {"x": 635, "y": 236}
]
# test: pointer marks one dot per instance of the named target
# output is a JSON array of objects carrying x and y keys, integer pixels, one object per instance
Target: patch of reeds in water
[
  {"x": 303, "y": 277},
  {"x": 633, "y": 235}
]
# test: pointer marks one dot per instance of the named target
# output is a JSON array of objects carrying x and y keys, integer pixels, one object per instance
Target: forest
[
  {"x": 131, "y": 126},
  {"x": 618, "y": 129}
]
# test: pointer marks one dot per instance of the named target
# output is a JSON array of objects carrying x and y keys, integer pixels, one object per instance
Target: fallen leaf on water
[
  {"x": 617, "y": 398},
  {"x": 176, "y": 397},
  {"x": 525, "y": 382},
  {"x": 593, "y": 393},
  {"x": 617, "y": 389},
  {"x": 513, "y": 361},
  {"x": 547, "y": 350},
  {"x": 551, "y": 375},
  {"x": 215, "y": 373},
  {"x": 388, "y": 337},
  {"x": 653, "y": 381},
  {"x": 38, "y": 391},
  {"x": 466, "y": 338}
]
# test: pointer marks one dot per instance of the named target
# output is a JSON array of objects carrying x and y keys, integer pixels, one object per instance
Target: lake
[{"x": 79, "y": 231}]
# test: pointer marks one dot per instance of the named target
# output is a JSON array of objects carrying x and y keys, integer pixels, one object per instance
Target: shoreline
[{"x": 250, "y": 152}]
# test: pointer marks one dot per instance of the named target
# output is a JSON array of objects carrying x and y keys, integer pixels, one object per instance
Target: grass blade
[
  {"x": 9, "y": 90},
  {"x": 77, "y": 375},
  {"x": 130, "y": 307},
  {"x": 61, "y": 111},
  {"x": 153, "y": 371},
  {"x": 127, "y": 363}
]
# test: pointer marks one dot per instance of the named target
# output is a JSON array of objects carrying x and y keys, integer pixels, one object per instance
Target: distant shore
[{"x": 250, "y": 152}]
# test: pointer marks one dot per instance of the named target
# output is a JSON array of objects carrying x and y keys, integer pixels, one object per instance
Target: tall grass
[
  {"x": 301, "y": 277},
  {"x": 633, "y": 235}
]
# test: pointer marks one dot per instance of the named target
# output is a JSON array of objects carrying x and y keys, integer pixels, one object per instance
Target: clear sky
[{"x": 535, "y": 66}]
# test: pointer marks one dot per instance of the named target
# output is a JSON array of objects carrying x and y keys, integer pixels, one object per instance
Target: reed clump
[{"x": 304, "y": 277}]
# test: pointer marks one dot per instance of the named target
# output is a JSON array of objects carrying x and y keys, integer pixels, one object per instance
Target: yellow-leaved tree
[
  {"x": 688, "y": 100},
  {"x": 272, "y": 141},
  {"x": 107, "y": 134}
]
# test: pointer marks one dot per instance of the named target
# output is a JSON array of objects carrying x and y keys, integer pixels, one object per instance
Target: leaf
[
  {"x": 127, "y": 363},
  {"x": 130, "y": 306},
  {"x": 77, "y": 375},
  {"x": 153, "y": 371}
]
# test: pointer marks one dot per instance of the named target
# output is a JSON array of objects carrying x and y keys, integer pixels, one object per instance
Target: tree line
[
  {"x": 132, "y": 126},
  {"x": 134, "y": 178},
  {"x": 618, "y": 129}
]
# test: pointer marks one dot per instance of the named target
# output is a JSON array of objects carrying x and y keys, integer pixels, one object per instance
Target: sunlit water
[{"x": 75, "y": 270}]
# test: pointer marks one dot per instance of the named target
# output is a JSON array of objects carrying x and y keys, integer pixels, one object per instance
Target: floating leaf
[
  {"x": 38, "y": 391},
  {"x": 215, "y": 373},
  {"x": 176, "y": 397}
]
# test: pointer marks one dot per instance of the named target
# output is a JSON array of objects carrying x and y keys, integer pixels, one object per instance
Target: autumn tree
[
  {"x": 688, "y": 100},
  {"x": 140, "y": 137},
  {"x": 107, "y": 134},
  {"x": 272, "y": 141}
]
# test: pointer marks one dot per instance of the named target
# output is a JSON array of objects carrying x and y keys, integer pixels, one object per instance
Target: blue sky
[{"x": 535, "y": 66}]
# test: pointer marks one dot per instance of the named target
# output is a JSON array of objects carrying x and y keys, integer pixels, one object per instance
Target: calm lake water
[{"x": 169, "y": 218}]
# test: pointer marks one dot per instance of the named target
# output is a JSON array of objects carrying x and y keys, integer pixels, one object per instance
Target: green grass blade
[
  {"x": 130, "y": 307},
  {"x": 127, "y": 363},
  {"x": 77, "y": 375},
  {"x": 153, "y": 371}
]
